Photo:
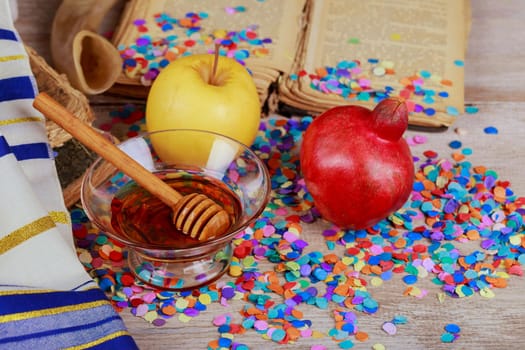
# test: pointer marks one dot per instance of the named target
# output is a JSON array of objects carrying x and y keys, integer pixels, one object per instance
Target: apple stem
[{"x": 215, "y": 64}]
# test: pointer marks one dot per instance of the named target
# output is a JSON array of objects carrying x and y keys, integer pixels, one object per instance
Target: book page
[
  {"x": 395, "y": 43},
  {"x": 267, "y": 30}
]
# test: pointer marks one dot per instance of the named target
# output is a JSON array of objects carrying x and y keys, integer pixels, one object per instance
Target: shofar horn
[{"x": 91, "y": 63}]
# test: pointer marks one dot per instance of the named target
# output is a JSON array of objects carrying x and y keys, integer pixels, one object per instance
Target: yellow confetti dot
[
  {"x": 317, "y": 335},
  {"x": 502, "y": 274},
  {"x": 294, "y": 230},
  {"x": 378, "y": 346},
  {"x": 358, "y": 266},
  {"x": 184, "y": 318},
  {"x": 436, "y": 78},
  {"x": 387, "y": 64},
  {"x": 227, "y": 335},
  {"x": 415, "y": 292},
  {"x": 396, "y": 220},
  {"x": 354, "y": 85},
  {"x": 235, "y": 271},
  {"x": 441, "y": 297},
  {"x": 205, "y": 299},
  {"x": 422, "y": 272},
  {"x": 151, "y": 316},
  {"x": 376, "y": 281},
  {"x": 459, "y": 291},
  {"x": 220, "y": 33},
  {"x": 487, "y": 293},
  {"x": 181, "y": 304},
  {"x": 348, "y": 260},
  {"x": 248, "y": 261},
  {"x": 379, "y": 71},
  {"x": 395, "y": 36},
  {"x": 515, "y": 240}
]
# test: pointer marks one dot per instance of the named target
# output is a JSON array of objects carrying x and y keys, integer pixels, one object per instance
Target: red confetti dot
[
  {"x": 242, "y": 251},
  {"x": 136, "y": 302},
  {"x": 251, "y": 35},
  {"x": 115, "y": 256},
  {"x": 127, "y": 279},
  {"x": 419, "y": 248},
  {"x": 430, "y": 154},
  {"x": 80, "y": 232}
]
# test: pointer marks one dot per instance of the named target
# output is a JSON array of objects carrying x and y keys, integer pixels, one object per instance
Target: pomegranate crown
[{"x": 390, "y": 118}]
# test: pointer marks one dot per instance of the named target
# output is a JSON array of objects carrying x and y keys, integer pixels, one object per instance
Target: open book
[{"x": 309, "y": 55}]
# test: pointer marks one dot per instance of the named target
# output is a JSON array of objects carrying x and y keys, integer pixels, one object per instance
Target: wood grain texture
[{"x": 495, "y": 72}]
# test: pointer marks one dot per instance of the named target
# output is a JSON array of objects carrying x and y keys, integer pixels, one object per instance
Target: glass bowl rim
[{"x": 198, "y": 247}]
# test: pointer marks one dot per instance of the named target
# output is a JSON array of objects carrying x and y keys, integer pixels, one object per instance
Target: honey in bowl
[{"x": 142, "y": 219}]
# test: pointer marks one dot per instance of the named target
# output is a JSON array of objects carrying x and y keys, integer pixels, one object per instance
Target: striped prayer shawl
[
  {"x": 43, "y": 319},
  {"x": 47, "y": 300}
]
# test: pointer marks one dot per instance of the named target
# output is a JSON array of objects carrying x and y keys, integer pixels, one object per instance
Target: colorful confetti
[
  {"x": 424, "y": 93},
  {"x": 451, "y": 333},
  {"x": 452, "y": 202},
  {"x": 164, "y": 38}
]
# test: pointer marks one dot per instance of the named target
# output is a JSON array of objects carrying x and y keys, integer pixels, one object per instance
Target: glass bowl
[{"x": 191, "y": 161}]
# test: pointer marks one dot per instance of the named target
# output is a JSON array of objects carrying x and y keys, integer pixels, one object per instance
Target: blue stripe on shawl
[
  {"x": 31, "y": 151},
  {"x": 16, "y": 88},
  {"x": 4, "y": 147},
  {"x": 7, "y": 35},
  {"x": 93, "y": 328},
  {"x": 52, "y": 332},
  {"x": 15, "y": 303}
]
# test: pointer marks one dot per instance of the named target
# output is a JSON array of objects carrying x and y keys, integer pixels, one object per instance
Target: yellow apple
[{"x": 205, "y": 92}]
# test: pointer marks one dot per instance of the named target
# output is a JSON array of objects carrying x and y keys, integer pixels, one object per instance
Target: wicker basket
[{"x": 57, "y": 86}]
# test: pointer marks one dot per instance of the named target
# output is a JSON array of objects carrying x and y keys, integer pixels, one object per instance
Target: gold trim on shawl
[
  {"x": 25, "y": 233},
  {"x": 20, "y": 120},
  {"x": 12, "y": 58},
  {"x": 60, "y": 217}
]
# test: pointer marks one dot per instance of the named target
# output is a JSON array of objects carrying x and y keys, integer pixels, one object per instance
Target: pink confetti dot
[{"x": 389, "y": 328}]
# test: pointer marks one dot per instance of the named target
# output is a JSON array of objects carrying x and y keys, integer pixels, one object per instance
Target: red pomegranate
[{"x": 356, "y": 164}]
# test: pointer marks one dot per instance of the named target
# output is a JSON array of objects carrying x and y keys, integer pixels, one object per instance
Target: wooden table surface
[{"x": 495, "y": 76}]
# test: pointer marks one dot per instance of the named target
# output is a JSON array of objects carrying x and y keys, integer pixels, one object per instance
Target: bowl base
[{"x": 180, "y": 274}]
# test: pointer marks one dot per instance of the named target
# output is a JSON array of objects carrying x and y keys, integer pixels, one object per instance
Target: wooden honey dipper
[{"x": 194, "y": 214}]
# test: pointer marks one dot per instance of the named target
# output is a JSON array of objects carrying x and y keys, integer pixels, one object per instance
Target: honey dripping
[{"x": 141, "y": 218}]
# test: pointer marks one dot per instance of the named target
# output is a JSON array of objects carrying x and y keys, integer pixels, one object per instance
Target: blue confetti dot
[
  {"x": 452, "y": 111},
  {"x": 430, "y": 111},
  {"x": 491, "y": 130},
  {"x": 459, "y": 63},
  {"x": 425, "y": 74},
  {"x": 452, "y": 328},
  {"x": 455, "y": 144},
  {"x": 410, "y": 279},
  {"x": 471, "y": 109},
  {"x": 466, "y": 151}
]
